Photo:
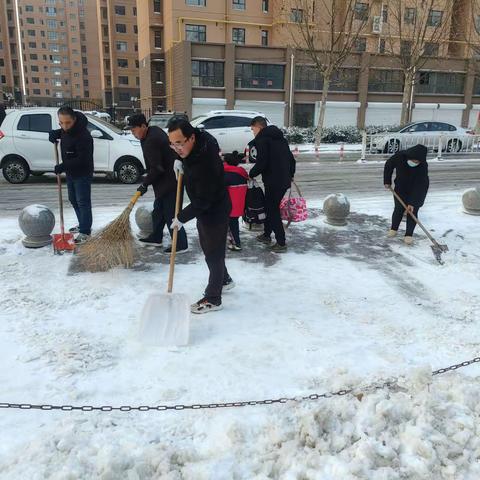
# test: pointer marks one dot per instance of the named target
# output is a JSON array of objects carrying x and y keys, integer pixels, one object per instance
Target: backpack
[{"x": 254, "y": 205}]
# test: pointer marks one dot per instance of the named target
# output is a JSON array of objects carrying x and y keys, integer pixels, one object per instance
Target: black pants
[
  {"x": 398, "y": 215},
  {"x": 235, "y": 230},
  {"x": 162, "y": 215},
  {"x": 273, "y": 222},
  {"x": 213, "y": 239},
  {"x": 80, "y": 196}
]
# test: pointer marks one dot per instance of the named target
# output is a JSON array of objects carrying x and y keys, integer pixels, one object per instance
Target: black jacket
[
  {"x": 159, "y": 158},
  {"x": 205, "y": 182},
  {"x": 411, "y": 183},
  {"x": 77, "y": 148},
  {"x": 3, "y": 113},
  {"x": 273, "y": 158}
]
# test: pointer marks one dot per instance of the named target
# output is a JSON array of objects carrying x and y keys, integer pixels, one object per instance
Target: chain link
[{"x": 199, "y": 406}]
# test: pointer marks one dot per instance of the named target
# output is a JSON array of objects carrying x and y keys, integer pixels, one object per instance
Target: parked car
[
  {"x": 231, "y": 128},
  {"x": 103, "y": 115},
  {"x": 25, "y": 149},
  {"x": 161, "y": 119},
  {"x": 415, "y": 132}
]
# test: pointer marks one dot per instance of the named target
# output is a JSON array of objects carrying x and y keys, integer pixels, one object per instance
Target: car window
[
  {"x": 232, "y": 121},
  {"x": 419, "y": 127},
  {"x": 35, "y": 122},
  {"x": 91, "y": 127},
  {"x": 159, "y": 121},
  {"x": 435, "y": 126},
  {"x": 108, "y": 126},
  {"x": 215, "y": 122}
]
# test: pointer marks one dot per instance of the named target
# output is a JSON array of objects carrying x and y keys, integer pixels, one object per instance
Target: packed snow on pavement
[{"x": 343, "y": 308}]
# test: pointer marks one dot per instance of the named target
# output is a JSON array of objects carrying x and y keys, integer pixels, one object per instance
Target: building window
[
  {"x": 405, "y": 47},
  {"x": 441, "y": 83},
  {"x": 29, "y": 8},
  {"x": 207, "y": 74},
  {"x": 430, "y": 49},
  {"x": 196, "y": 33},
  {"x": 308, "y": 77},
  {"x": 52, "y": 35},
  {"x": 384, "y": 13},
  {"x": 122, "y": 46},
  {"x": 303, "y": 114},
  {"x": 265, "y": 38},
  {"x": 296, "y": 15},
  {"x": 434, "y": 18},
  {"x": 390, "y": 81},
  {"x": 259, "y": 75},
  {"x": 265, "y": 6},
  {"x": 361, "y": 11},
  {"x": 157, "y": 6},
  {"x": 477, "y": 23},
  {"x": 31, "y": 33},
  {"x": 158, "y": 39},
  {"x": 124, "y": 96},
  {"x": 30, "y": 21},
  {"x": 32, "y": 44},
  {"x": 134, "y": 11},
  {"x": 51, "y": 23},
  {"x": 238, "y": 36},
  {"x": 121, "y": 28},
  {"x": 34, "y": 68},
  {"x": 119, "y": 10},
  {"x": 135, "y": 29},
  {"x": 36, "y": 91},
  {"x": 123, "y": 80},
  {"x": 238, "y": 4},
  {"x": 51, "y": 11},
  {"x": 122, "y": 63},
  {"x": 195, "y": 3},
  {"x": 381, "y": 46},
  {"x": 360, "y": 45}
]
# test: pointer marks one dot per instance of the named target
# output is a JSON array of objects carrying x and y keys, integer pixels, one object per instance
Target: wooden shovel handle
[
  {"x": 60, "y": 194},
  {"x": 175, "y": 233}
]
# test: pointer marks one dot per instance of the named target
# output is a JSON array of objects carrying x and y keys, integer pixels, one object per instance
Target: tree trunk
[
  {"x": 321, "y": 114},
  {"x": 407, "y": 90}
]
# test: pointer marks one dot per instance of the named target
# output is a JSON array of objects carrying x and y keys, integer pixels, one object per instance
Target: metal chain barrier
[{"x": 199, "y": 406}]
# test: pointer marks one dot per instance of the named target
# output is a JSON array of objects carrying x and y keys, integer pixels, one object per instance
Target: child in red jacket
[{"x": 236, "y": 179}]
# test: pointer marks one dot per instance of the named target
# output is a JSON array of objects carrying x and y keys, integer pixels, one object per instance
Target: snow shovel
[
  {"x": 165, "y": 318},
  {"x": 437, "y": 248},
  {"x": 62, "y": 242}
]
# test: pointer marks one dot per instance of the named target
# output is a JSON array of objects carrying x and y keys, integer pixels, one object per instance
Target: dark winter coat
[
  {"x": 411, "y": 183},
  {"x": 3, "y": 113},
  {"x": 205, "y": 182},
  {"x": 273, "y": 158},
  {"x": 236, "y": 179},
  {"x": 77, "y": 148},
  {"x": 159, "y": 158}
]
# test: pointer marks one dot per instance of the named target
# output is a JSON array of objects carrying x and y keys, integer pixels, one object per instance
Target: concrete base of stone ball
[
  {"x": 143, "y": 219},
  {"x": 336, "y": 208},
  {"x": 471, "y": 201},
  {"x": 36, "y": 222}
]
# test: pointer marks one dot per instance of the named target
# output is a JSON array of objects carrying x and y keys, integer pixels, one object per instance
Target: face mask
[{"x": 412, "y": 164}]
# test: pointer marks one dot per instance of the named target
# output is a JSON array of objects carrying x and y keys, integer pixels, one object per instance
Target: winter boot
[
  {"x": 277, "y": 248},
  {"x": 264, "y": 239},
  {"x": 408, "y": 240},
  {"x": 392, "y": 233},
  {"x": 234, "y": 248},
  {"x": 74, "y": 229},
  {"x": 205, "y": 306},
  {"x": 81, "y": 238},
  {"x": 151, "y": 241}
]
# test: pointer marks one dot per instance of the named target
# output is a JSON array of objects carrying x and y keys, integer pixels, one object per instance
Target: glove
[
  {"x": 54, "y": 135},
  {"x": 142, "y": 189},
  {"x": 176, "y": 224},
  {"x": 178, "y": 168},
  {"x": 59, "y": 169}
]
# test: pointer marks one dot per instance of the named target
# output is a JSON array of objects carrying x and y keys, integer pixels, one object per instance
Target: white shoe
[
  {"x": 408, "y": 240},
  {"x": 204, "y": 306},
  {"x": 392, "y": 233},
  {"x": 81, "y": 238}
]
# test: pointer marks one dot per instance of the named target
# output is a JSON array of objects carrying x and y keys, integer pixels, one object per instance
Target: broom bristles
[{"x": 111, "y": 247}]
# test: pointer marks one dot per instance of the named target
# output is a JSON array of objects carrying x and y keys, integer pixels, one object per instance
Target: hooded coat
[
  {"x": 77, "y": 148},
  {"x": 273, "y": 158},
  {"x": 204, "y": 180},
  {"x": 411, "y": 183},
  {"x": 236, "y": 179}
]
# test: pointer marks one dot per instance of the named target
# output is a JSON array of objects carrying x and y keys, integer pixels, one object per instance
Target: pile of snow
[{"x": 35, "y": 210}]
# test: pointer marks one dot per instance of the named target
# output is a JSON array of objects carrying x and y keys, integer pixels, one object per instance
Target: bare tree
[
  {"x": 415, "y": 31},
  {"x": 327, "y": 32}
]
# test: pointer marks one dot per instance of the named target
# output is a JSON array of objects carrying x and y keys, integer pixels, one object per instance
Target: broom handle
[
  {"x": 417, "y": 221},
  {"x": 60, "y": 196},
  {"x": 175, "y": 234}
]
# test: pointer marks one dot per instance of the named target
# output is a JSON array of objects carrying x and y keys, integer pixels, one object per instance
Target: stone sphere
[
  {"x": 471, "y": 201},
  {"x": 143, "y": 218},
  {"x": 336, "y": 208},
  {"x": 36, "y": 222}
]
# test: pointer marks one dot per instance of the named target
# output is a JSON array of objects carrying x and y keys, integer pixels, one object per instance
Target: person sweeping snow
[
  {"x": 210, "y": 204},
  {"x": 411, "y": 184},
  {"x": 236, "y": 179}
]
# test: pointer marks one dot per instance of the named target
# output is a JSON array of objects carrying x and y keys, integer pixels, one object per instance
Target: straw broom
[{"x": 111, "y": 247}]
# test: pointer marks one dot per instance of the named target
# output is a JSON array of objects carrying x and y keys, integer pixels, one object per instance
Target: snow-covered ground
[{"x": 344, "y": 307}]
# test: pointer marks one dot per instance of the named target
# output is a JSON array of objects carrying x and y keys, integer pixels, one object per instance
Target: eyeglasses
[{"x": 179, "y": 146}]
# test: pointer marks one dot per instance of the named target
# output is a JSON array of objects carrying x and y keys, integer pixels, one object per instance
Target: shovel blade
[
  {"x": 165, "y": 320},
  {"x": 63, "y": 243},
  {"x": 437, "y": 252}
]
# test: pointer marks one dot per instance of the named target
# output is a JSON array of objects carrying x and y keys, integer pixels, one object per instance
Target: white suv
[
  {"x": 231, "y": 128},
  {"x": 25, "y": 149}
]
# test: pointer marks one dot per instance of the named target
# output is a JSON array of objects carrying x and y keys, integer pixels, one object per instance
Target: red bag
[{"x": 293, "y": 207}]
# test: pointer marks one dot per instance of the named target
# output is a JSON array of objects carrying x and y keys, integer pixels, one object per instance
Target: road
[{"x": 316, "y": 179}]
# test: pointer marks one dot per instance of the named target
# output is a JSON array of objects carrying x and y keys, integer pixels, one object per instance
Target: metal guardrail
[{"x": 386, "y": 144}]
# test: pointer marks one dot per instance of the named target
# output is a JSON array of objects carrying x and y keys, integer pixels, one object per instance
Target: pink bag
[{"x": 293, "y": 207}]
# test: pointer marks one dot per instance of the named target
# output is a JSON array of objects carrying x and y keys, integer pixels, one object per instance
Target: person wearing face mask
[{"x": 411, "y": 184}]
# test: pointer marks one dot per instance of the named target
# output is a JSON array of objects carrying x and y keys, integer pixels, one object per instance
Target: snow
[
  {"x": 35, "y": 210},
  {"x": 338, "y": 197},
  {"x": 343, "y": 308}
]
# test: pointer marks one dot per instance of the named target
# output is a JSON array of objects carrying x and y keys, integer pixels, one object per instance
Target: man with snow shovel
[
  {"x": 210, "y": 204},
  {"x": 159, "y": 159}
]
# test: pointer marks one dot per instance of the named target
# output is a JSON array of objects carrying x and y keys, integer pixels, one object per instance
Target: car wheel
[
  {"x": 15, "y": 170},
  {"x": 128, "y": 171},
  {"x": 454, "y": 145},
  {"x": 392, "y": 146}
]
